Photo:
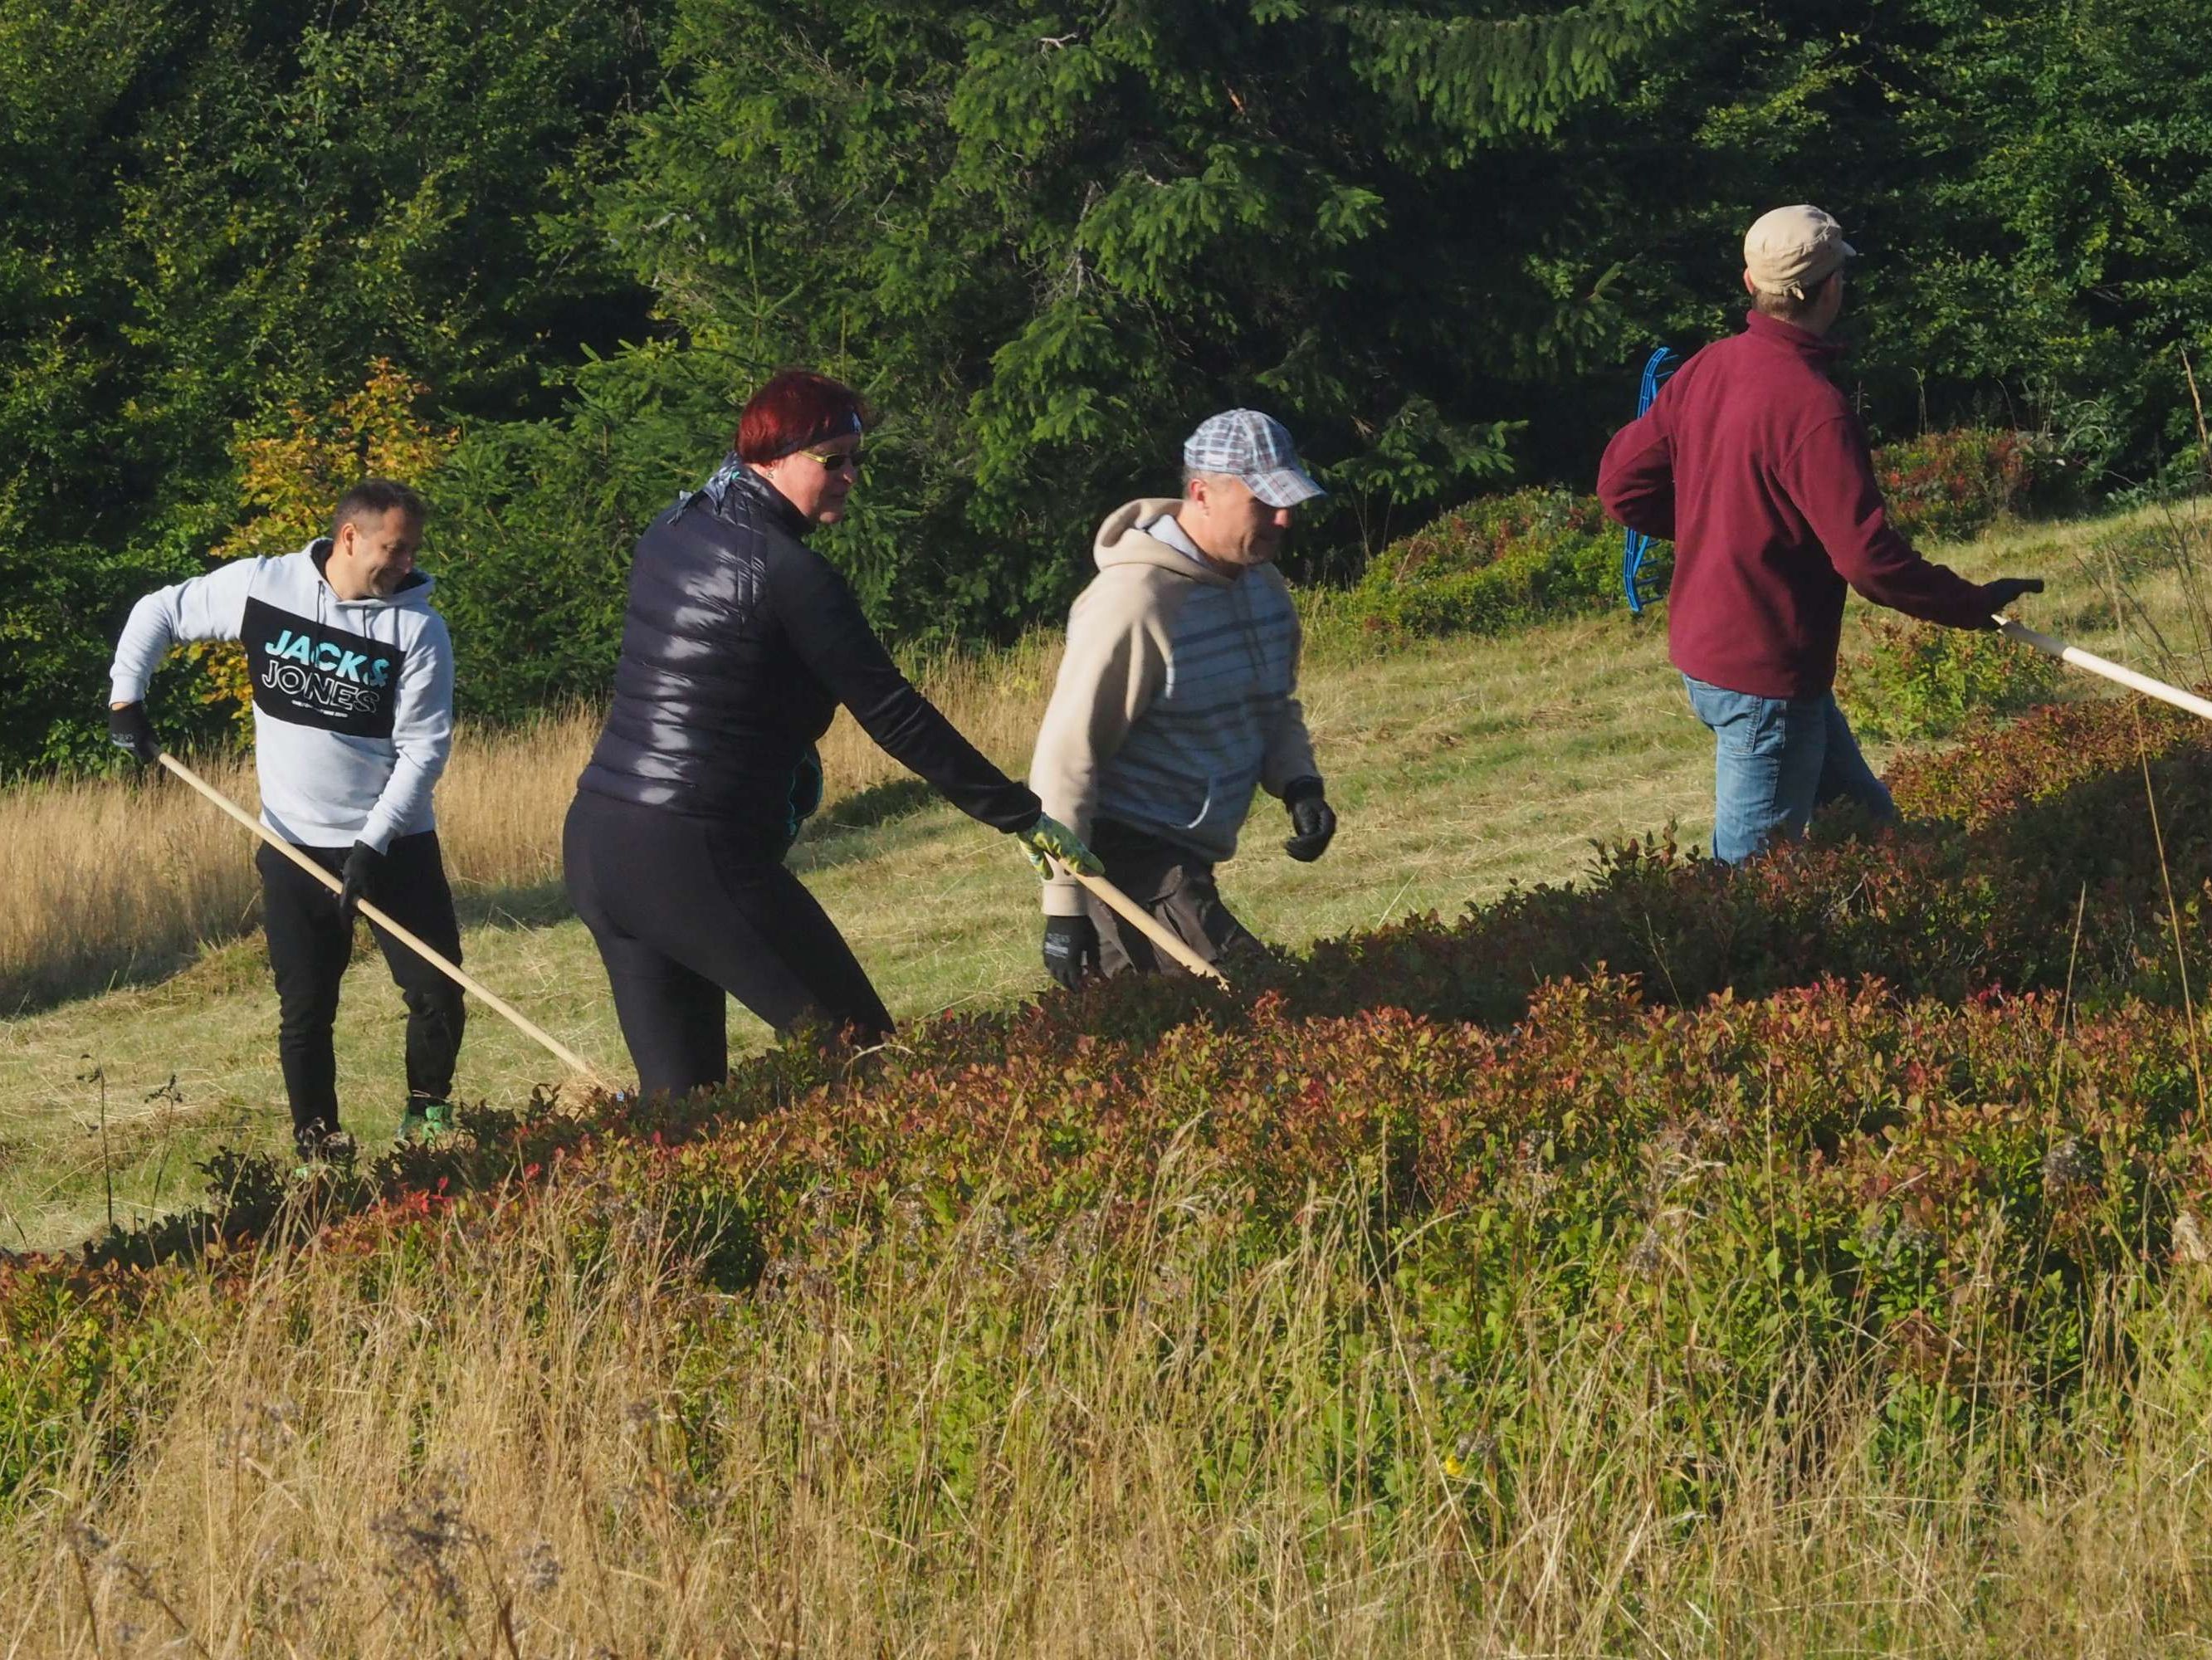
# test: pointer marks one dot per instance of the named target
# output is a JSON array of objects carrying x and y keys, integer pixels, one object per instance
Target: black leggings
[
  {"x": 310, "y": 943},
  {"x": 686, "y": 909}
]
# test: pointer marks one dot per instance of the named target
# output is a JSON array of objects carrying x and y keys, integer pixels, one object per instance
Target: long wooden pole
[
  {"x": 2111, "y": 670},
  {"x": 437, "y": 960},
  {"x": 1146, "y": 923}
]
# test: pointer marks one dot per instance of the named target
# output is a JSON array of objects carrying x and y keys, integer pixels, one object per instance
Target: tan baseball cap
[{"x": 1789, "y": 250}]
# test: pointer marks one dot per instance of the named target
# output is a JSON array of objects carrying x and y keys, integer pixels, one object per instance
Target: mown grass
[{"x": 1458, "y": 767}]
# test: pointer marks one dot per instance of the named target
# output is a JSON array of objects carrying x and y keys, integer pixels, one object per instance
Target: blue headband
[{"x": 846, "y": 425}]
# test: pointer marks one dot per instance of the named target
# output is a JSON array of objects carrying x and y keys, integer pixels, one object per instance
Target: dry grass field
[
  {"x": 128, "y": 882},
  {"x": 503, "y": 1447}
]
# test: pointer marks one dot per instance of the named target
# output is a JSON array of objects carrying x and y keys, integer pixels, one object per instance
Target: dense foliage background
[{"x": 542, "y": 249}]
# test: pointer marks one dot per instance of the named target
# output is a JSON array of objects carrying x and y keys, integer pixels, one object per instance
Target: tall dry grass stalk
[
  {"x": 121, "y": 879},
  {"x": 995, "y": 696},
  {"x": 560, "y": 1440},
  {"x": 111, "y": 878}
]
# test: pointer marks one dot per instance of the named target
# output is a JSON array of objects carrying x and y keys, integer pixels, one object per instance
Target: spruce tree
[{"x": 1050, "y": 239}]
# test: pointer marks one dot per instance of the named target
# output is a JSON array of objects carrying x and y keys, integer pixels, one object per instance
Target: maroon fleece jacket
[{"x": 1751, "y": 462}]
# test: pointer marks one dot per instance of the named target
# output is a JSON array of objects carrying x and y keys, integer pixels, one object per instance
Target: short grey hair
[{"x": 1789, "y": 308}]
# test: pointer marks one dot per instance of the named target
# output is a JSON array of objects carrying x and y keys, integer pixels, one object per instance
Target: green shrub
[
  {"x": 1943, "y": 486},
  {"x": 83, "y": 1349},
  {"x": 1830, "y": 1163},
  {"x": 1920, "y": 681},
  {"x": 1497, "y": 564},
  {"x": 1509, "y": 561}
]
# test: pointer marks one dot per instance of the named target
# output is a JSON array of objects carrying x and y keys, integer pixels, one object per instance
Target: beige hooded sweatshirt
[{"x": 1176, "y": 698}]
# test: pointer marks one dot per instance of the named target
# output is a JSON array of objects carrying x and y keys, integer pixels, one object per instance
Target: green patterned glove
[{"x": 1049, "y": 839}]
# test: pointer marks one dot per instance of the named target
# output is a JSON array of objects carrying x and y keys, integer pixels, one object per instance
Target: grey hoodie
[
  {"x": 1177, "y": 698},
  {"x": 353, "y": 699}
]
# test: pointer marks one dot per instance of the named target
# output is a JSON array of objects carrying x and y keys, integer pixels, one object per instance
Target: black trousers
[
  {"x": 688, "y": 910},
  {"x": 310, "y": 943},
  {"x": 1176, "y": 886}
]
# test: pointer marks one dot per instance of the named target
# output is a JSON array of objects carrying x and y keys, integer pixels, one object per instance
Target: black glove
[
  {"x": 364, "y": 867},
  {"x": 130, "y": 730},
  {"x": 1071, "y": 948},
  {"x": 2005, "y": 589},
  {"x": 1311, "y": 817}
]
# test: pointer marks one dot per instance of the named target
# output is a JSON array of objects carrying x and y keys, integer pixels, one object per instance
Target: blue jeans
[{"x": 1775, "y": 760}]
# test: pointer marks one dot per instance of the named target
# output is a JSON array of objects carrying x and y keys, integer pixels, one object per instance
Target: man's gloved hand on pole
[
  {"x": 364, "y": 866},
  {"x": 1049, "y": 839},
  {"x": 1071, "y": 949},
  {"x": 130, "y": 730},
  {"x": 1313, "y": 821},
  {"x": 2005, "y": 589}
]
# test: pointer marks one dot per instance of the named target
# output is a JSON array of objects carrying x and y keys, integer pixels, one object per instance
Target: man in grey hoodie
[
  {"x": 1177, "y": 698},
  {"x": 353, "y": 719}
]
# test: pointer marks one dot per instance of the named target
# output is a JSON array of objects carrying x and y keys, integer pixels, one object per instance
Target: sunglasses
[{"x": 832, "y": 463}]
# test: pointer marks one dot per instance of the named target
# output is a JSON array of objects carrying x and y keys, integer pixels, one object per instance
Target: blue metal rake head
[{"x": 1635, "y": 543}]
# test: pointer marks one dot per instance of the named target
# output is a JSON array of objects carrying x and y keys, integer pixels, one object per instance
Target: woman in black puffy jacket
[{"x": 739, "y": 643}]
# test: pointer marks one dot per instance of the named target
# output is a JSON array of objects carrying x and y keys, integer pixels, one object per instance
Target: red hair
[{"x": 795, "y": 409}]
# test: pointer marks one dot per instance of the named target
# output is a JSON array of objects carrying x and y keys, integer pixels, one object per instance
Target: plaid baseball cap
[{"x": 1256, "y": 449}]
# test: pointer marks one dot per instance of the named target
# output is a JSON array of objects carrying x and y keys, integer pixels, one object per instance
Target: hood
[
  {"x": 414, "y": 593},
  {"x": 1119, "y": 542}
]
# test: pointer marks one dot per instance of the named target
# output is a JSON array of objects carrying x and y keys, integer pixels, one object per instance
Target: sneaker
[
  {"x": 320, "y": 1150},
  {"x": 426, "y": 1121}
]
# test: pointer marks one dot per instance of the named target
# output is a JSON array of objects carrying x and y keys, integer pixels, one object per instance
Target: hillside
[
  {"x": 1459, "y": 766},
  {"x": 1824, "y": 1272}
]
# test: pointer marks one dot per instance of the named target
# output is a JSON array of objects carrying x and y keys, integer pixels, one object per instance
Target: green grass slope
[{"x": 1459, "y": 767}]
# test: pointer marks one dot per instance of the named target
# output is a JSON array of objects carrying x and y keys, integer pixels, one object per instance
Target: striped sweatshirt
[{"x": 1176, "y": 698}]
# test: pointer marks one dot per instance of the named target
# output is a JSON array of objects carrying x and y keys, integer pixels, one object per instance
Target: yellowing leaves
[{"x": 291, "y": 477}]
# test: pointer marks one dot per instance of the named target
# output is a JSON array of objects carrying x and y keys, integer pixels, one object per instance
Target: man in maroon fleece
[{"x": 1751, "y": 461}]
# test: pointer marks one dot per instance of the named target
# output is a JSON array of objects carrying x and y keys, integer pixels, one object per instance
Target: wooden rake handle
[
  {"x": 1146, "y": 923},
  {"x": 452, "y": 971},
  {"x": 2111, "y": 670}
]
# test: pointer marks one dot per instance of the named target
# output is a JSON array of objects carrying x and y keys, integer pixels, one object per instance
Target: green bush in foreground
[
  {"x": 1425, "y": 1288},
  {"x": 1159, "y": 1424},
  {"x": 1438, "y": 1058},
  {"x": 1918, "y": 681}
]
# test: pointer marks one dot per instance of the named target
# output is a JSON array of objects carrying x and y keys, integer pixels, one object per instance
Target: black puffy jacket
[{"x": 739, "y": 643}]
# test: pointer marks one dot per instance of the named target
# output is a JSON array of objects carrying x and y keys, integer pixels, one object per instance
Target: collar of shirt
[
  {"x": 1820, "y": 349},
  {"x": 1168, "y": 529},
  {"x": 735, "y": 475}
]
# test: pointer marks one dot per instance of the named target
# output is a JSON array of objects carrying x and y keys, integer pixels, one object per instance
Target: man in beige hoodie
[{"x": 1176, "y": 699}]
